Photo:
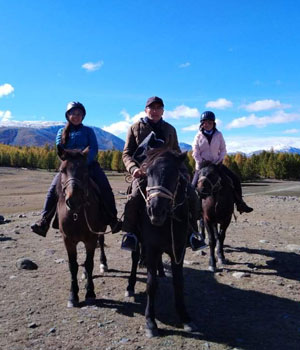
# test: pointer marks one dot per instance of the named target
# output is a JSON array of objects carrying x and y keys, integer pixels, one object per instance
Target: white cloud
[
  {"x": 5, "y": 116},
  {"x": 91, "y": 67},
  {"x": 121, "y": 127},
  {"x": 291, "y": 131},
  {"x": 184, "y": 65},
  {"x": 6, "y": 89},
  {"x": 279, "y": 117},
  {"x": 220, "y": 103},
  {"x": 182, "y": 111},
  {"x": 264, "y": 105},
  {"x": 252, "y": 144},
  {"x": 193, "y": 127}
]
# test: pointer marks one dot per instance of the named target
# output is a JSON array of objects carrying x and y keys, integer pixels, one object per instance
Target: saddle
[{"x": 106, "y": 217}]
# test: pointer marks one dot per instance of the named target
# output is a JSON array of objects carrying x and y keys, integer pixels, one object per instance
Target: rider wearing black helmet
[
  {"x": 209, "y": 144},
  {"x": 76, "y": 135}
]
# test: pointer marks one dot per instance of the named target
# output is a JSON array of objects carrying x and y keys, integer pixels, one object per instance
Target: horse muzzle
[{"x": 157, "y": 217}]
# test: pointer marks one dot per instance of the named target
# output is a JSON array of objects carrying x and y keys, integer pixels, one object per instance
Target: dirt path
[{"x": 258, "y": 309}]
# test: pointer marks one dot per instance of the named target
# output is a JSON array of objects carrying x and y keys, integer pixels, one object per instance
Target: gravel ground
[{"x": 251, "y": 303}]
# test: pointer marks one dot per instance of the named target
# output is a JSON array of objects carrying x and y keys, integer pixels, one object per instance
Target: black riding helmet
[
  {"x": 72, "y": 105},
  {"x": 207, "y": 115}
]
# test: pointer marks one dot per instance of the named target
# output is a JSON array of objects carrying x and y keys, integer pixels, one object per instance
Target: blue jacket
[{"x": 80, "y": 137}]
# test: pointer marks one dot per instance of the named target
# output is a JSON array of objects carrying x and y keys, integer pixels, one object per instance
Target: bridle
[
  {"x": 213, "y": 187},
  {"x": 163, "y": 192},
  {"x": 72, "y": 181}
]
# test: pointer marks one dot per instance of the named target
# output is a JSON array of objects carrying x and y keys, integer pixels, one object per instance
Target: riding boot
[
  {"x": 241, "y": 206},
  {"x": 41, "y": 227}
]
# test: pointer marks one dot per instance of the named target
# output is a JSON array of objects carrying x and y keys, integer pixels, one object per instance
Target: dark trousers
[
  {"x": 51, "y": 199},
  {"x": 134, "y": 205},
  {"x": 99, "y": 177}
]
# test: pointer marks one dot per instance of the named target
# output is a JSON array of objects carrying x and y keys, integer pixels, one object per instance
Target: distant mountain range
[
  {"x": 40, "y": 136},
  {"x": 279, "y": 150}
]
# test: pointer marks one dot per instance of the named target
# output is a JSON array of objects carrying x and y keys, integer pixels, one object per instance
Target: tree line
[{"x": 267, "y": 164}]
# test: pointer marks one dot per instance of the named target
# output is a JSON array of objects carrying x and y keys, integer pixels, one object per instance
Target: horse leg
[
  {"x": 220, "y": 245},
  {"x": 103, "y": 261},
  {"x": 151, "y": 326},
  {"x": 89, "y": 266},
  {"x": 135, "y": 256},
  {"x": 142, "y": 258},
  {"x": 202, "y": 227},
  {"x": 160, "y": 268},
  {"x": 211, "y": 231},
  {"x": 73, "y": 267},
  {"x": 184, "y": 317}
]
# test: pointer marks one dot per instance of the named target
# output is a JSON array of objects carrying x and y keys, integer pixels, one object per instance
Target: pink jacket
[{"x": 214, "y": 152}]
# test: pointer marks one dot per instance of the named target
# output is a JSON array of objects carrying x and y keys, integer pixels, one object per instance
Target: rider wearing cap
[
  {"x": 75, "y": 135},
  {"x": 136, "y": 137},
  {"x": 209, "y": 145}
]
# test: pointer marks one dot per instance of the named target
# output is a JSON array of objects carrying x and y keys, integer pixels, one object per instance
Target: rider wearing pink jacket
[
  {"x": 209, "y": 145},
  {"x": 214, "y": 151}
]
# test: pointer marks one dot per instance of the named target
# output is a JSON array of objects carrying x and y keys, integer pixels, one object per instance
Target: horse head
[
  {"x": 163, "y": 178},
  {"x": 209, "y": 181},
  {"x": 73, "y": 176}
]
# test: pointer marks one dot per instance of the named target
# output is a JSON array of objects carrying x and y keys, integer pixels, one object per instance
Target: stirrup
[
  {"x": 129, "y": 242},
  {"x": 197, "y": 242}
]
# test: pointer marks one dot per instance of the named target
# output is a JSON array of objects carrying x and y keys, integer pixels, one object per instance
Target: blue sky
[{"x": 237, "y": 58}]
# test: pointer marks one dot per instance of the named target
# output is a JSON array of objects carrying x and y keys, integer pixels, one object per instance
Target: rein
[
  {"x": 161, "y": 191},
  {"x": 72, "y": 181}
]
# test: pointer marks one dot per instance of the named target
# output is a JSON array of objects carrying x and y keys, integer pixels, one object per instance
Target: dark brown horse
[
  {"x": 216, "y": 192},
  {"x": 164, "y": 229},
  {"x": 78, "y": 211}
]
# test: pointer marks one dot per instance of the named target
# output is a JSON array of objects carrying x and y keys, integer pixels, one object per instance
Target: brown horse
[
  {"x": 78, "y": 217},
  {"x": 216, "y": 193}
]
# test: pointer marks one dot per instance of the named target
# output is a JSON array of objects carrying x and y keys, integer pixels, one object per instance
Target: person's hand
[{"x": 137, "y": 173}]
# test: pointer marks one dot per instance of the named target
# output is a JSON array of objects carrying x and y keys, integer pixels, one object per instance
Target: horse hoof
[
  {"x": 90, "y": 301},
  {"x": 72, "y": 304},
  {"x": 211, "y": 269},
  {"x": 129, "y": 293},
  {"x": 222, "y": 261},
  {"x": 103, "y": 268},
  {"x": 151, "y": 333},
  {"x": 190, "y": 327}
]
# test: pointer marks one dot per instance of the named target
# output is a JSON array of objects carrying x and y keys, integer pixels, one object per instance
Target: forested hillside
[{"x": 284, "y": 166}]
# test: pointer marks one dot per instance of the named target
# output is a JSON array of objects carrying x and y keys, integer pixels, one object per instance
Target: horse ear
[
  {"x": 61, "y": 152},
  {"x": 85, "y": 152}
]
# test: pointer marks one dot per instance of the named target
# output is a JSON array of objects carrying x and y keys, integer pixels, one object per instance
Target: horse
[
  {"x": 217, "y": 200},
  {"x": 79, "y": 218},
  {"x": 164, "y": 229}
]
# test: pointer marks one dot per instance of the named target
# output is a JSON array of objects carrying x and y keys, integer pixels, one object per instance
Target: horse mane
[{"x": 155, "y": 153}]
